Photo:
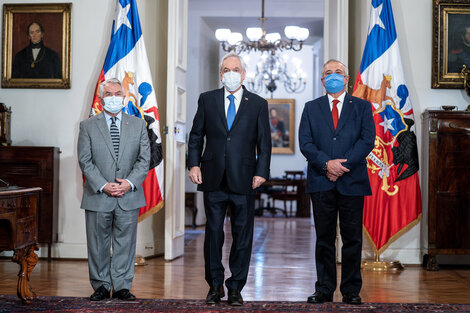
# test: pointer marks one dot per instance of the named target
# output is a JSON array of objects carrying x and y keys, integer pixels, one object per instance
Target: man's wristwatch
[{"x": 325, "y": 167}]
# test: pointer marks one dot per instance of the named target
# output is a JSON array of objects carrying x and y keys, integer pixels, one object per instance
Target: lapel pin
[
  {"x": 350, "y": 101},
  {"x": 127, "y": 123},
  {"x": 246, "y": 99}
]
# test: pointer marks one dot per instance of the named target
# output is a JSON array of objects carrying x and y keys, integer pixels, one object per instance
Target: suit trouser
[
  {"x": 326, "y": 207},
  {"x": 121, "y": 227},
  {"x": 242, "y": 220}
]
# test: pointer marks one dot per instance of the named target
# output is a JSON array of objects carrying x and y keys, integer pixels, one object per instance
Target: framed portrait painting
[
  {"x": 451, "y": 43},
  {"x": 282, "y": 125},
  {"x": 36, "y": 45}
]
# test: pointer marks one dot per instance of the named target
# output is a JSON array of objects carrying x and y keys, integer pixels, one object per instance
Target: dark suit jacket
[
  {"x": 241, "y": 153},
  {"x": 47, "y": 64},
  {"x": 353, "y": 140}
]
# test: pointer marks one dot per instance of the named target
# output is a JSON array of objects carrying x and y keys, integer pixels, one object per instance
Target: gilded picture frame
[
  {"x": 282, "y": 125},
  {"x": 50, "y": 68},
  {"x": 451, "y": 43}
]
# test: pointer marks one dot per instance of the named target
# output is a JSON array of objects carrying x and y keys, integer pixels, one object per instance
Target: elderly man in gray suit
[{"x": 114, "y": 156}]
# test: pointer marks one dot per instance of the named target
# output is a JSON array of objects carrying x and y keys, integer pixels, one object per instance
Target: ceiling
[{"x": 240, "y": 14}]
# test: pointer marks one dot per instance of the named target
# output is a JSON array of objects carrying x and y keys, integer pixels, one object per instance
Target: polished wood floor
[{"x": 282, "y": 268}]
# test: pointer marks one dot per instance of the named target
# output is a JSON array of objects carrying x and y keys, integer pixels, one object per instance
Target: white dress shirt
[
  {"x": 339, "y": 105},
  {"x": 238, "y": 98}
]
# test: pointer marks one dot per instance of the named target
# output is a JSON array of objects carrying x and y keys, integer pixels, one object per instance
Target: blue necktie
[{"x": 231, "y": 111}]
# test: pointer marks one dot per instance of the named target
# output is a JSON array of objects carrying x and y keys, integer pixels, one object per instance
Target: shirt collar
[
  {"x": 108, "y": 117},
  {"x": 340, "y": 98},
  {"x": 238, "y": 94}
]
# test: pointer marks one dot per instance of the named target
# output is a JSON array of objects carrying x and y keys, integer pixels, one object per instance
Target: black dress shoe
[
  {"x": 99, "y": 294},
  {"x": 352, "y": 298},
  {"x": 215, "y": 294},
  {"x": 319, "y": 297},
  {"x": 124, "y": 294},
  {"x": 234, "y": 297}
]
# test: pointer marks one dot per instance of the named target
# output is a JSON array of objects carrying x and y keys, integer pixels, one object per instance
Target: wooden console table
[
  {"x": 19, "y": 232},
  {"x": 36, "y": 166},
  {"x": 446, "y": 178}
]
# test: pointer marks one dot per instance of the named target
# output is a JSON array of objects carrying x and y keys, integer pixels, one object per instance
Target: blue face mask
[
  {"x": 113, "y": 104},
  {"x": 334, "y": 83}
]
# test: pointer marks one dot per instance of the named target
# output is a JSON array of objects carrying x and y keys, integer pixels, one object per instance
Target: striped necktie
[{"x": 114, "y": 131}]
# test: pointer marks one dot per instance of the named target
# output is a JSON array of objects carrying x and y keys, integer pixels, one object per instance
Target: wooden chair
[{"x": 289, "y": 191}]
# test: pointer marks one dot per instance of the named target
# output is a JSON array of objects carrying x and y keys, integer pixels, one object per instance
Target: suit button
[
  {"x": 118, "y": 169},
  {"x": 228, "y": 139},
  {"x": 334, "y": 138}
]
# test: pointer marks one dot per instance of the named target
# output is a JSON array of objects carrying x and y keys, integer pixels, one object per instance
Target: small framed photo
[
  {"x": 282, "y": 125},
  {"x": 451, "y": 43},
  {"x": 36, "y": 45}
]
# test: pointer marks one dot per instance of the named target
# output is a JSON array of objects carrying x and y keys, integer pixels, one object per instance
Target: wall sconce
[{"x": 5, "y": 122}]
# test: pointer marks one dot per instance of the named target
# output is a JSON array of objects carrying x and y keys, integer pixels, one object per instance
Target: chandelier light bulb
[
  {"x": 234, "y": 38},
  {"x": 302, "y": 34},
  {"x": 291, "y": 32},
  {"x": 222, "y": 34},
  {"x": 273, "y": 37},
  {"x": 254, "y": 33}
]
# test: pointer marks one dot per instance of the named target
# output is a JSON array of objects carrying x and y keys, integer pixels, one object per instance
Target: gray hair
[
  {"x": 109, "y": 81},
  {"x": 232, "y": 55},
  {"x": 346, "y": 71}
]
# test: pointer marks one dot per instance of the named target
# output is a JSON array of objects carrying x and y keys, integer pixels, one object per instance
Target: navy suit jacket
[
  {"x": 353, "y": 140},
  {"x": 242, "y": 152}
]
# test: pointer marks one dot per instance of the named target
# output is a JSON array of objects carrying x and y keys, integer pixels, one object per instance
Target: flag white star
[
  {"x": 375, "y": 18},
  {"x": 121, "y": 17},
  {"x": 387, "y": 124}
]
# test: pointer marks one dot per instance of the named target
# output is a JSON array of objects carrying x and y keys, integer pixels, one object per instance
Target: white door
[{"x": 175, "y": 154}]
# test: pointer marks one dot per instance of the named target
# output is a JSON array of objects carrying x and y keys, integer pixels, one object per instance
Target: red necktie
[{"x": 334, "y": 113}]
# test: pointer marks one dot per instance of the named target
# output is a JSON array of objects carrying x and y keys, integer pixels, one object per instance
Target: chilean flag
[
  {"x": 395, "y": 204},
  {"x": 127, "y": 61}
]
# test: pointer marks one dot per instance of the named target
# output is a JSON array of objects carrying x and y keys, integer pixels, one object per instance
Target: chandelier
[
  {"x": 258, "y": 40},
  {"x": 272, "y": 68}
]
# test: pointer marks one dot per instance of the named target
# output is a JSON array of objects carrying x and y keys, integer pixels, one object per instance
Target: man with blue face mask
[
  {"x": 336, "y": 134},
  {"x": 229, "y": 153},
  {"x": 114, "y": 156}
]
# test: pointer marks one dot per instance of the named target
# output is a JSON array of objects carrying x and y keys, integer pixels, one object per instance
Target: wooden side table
[{"x": 19, "y": 232}]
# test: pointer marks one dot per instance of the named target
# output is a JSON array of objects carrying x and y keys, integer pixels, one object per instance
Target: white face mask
[
  {"x": 113, "y": 104},
  {"x": 232, "y": 80}
]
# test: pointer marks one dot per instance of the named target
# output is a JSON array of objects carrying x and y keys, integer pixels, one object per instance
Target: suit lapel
[
  {"x": 103, "y": 127},
  {"x": 124, "y": 134},
  {"x": 220, "y": 103},
  {"x": 242, "y": 108},
  {"x": 325, "y": 111},
  {"x": 346, "y": 111}
]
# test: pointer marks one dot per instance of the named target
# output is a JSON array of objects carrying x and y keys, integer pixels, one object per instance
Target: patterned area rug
[{"x": 9, "y": 303}]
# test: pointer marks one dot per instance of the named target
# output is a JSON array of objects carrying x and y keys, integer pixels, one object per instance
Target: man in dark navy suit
[
  {"x": 336, "y": 133},
  {"x": 234, "y": 125}
]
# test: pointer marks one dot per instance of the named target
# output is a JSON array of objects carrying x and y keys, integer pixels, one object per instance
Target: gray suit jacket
[{"x": 99, "y": 164}]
